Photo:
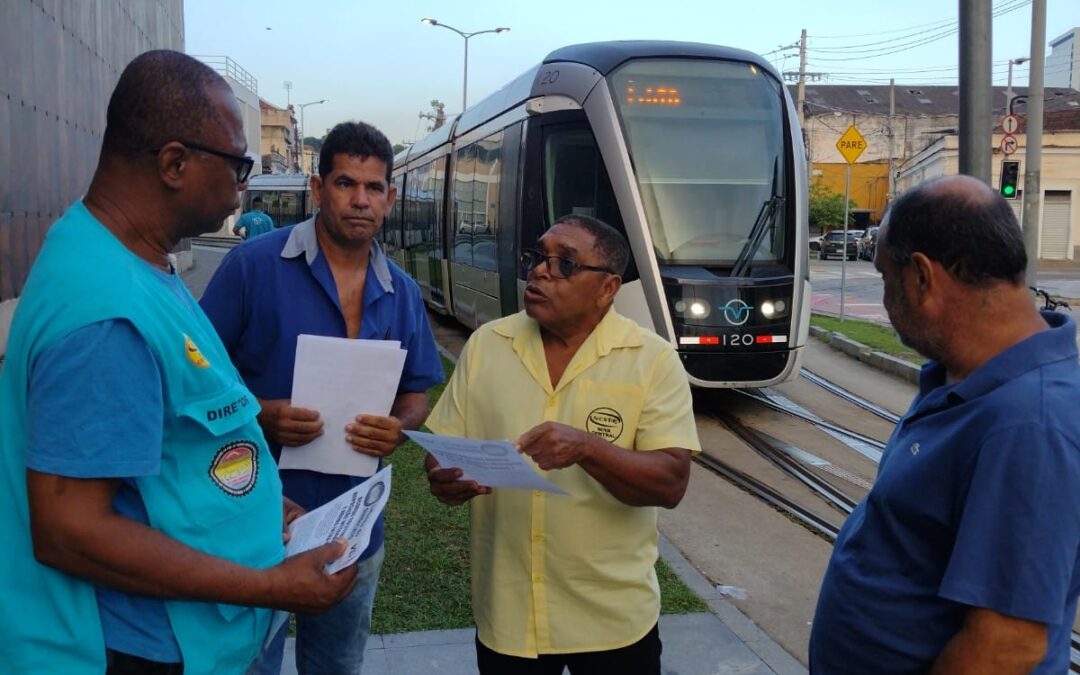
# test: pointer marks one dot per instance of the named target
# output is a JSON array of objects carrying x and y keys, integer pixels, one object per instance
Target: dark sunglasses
[
  {"x": 242, "y": 165},
  {"x": 558, "y": 266}
]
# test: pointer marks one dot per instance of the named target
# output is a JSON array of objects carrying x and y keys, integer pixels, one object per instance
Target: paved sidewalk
[{"x": 721, "y": 641}]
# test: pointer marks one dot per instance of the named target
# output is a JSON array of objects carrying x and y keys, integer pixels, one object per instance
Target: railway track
[{"x": 849, "y": 396}]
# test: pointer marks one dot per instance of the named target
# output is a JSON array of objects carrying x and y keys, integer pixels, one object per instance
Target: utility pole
[
  {"x": 802, "y": 78},
  {"x": 976, "y": 105},
  {"x": 1033, "y": 149},
  {"x": 892, "y": 138}
]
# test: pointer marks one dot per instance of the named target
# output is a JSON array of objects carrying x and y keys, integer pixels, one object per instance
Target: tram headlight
[
  {"x": 773, "y": 308},
  {"x": 699, "y": 309}
]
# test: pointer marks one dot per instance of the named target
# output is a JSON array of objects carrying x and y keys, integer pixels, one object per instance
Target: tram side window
[
  {"x": 575, "y": 179},
  {"x": 486, "y": 200},
  {"x": 464, "y": 173},
  {"x": 283, "y": 206},
  {"x": 412, "y": 209},
  {"x": 390, "y": 236},
  {"x": 438, "y": 188}
]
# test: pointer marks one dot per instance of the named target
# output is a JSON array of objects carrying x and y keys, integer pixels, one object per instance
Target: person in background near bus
[
  {"x": 138, "y": 522},
  {"x": 254, "y": 222},
  {"x": 332, "y": 268},
  {"x": 603, "y": 407},
  {"x": 963, "y": 557}
]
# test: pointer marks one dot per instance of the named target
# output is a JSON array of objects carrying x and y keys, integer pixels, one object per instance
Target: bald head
[
  {"x": 961, "y": 223},
  {"x": 161, "y": 96}
]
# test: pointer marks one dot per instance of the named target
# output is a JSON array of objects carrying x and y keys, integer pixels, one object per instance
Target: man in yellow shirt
[{"x": 602, "y": 407}]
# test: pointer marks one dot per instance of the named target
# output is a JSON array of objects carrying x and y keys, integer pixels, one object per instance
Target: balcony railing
[{"x": 229, "y": 68}]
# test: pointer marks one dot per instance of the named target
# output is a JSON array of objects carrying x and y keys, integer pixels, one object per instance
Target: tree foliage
[{"x": 827, "y": 208}]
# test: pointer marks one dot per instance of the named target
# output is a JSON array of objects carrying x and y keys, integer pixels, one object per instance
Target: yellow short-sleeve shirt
[{"x": 563, "y": 574}]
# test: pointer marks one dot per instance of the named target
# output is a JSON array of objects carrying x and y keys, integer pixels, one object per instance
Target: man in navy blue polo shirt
[
  {"x": 964, "y": 556},
  {"x": 327, "y": 276}
]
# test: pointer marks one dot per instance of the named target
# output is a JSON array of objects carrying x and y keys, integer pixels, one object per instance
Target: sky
[{"x": 378, "y": 63}]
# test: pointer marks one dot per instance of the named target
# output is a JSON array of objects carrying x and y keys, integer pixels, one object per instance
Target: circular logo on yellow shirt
[
  {"x": 235, "y": 468},
  {"x": 193, "y": 353},
  {"x": 606, "y": 423}
]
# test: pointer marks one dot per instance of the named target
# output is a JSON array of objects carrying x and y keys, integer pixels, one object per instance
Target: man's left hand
[
  {"x": 292, "y": 511},
  {"x": 374, "y": 435},
  {"x": 555, "y": 446}
]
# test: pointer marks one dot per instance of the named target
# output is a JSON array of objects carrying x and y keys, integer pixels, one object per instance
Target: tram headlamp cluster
[
  {"x": 773, "y": 308},
  {"x": 695, "y": 309}
]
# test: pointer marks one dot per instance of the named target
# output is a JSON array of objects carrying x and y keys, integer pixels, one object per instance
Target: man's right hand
[
  {"x": 286, "y": 425},
  {"x": 447, "y": 486},
  {"x": 301, "y": 584}
]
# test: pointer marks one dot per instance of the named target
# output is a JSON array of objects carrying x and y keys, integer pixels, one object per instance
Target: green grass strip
[{"x": 874, "y": 335}]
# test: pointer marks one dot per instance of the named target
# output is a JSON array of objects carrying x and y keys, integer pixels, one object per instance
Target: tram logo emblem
[
  {"x": 606, "y": 423},
  {"x": 736, "y": 311}
]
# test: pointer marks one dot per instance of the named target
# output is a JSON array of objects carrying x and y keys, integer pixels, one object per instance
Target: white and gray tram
[{"x": 694, "y": 151}]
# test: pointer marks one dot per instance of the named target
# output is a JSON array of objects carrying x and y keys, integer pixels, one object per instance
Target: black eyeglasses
[
  {"x": 242, "y": 165},
  {"x": 558, "y": 266}
]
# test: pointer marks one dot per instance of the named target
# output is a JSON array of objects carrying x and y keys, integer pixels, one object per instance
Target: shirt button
[
  {"x": 538, "y": 493},
  {"x": 552, "y": 401},
  {"x": 538, "y": 537},
  {"x": 539, "y": 578}
]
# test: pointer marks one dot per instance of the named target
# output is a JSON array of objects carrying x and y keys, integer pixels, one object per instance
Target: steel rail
[
  {"x": 771, "y": 496},
  {"x": 817, "y": 421},
  {"x": 766, "y": 447},
  {"x": 837, "y": 390}
]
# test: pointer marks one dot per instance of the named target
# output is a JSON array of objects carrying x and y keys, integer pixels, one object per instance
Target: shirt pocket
[
  {"x": 611, "y": 410},
  {"x": 221, "y": 461}
]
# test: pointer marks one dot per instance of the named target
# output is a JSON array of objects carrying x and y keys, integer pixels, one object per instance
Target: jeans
[{"x": 331, "y": 643}]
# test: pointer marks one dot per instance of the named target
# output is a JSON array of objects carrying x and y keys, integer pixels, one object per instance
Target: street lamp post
[
  {"x": 302, "y": 106},
  {"x": 1008, "y": 90},
  {"x": 465, "y": 79}
]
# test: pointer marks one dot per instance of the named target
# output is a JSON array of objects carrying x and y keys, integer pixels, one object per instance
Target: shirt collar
[
  {"x": 303, "y": 240},
  {"x": 613, "y": 331},
  {"x": 1045, "y": 347}
]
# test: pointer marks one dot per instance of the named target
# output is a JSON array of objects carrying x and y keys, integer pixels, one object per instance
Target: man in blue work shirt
[
  {"x": 328, "y": 276},
  {"x": 254, "y": 222},
  {"x": 964, "y": 556},
  {"x": 141, "y": 530}
]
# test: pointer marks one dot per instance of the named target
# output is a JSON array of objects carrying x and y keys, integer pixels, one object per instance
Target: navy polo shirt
[
  {"x": 976, "y": 504},
  {"x": 270, "y": 289}
]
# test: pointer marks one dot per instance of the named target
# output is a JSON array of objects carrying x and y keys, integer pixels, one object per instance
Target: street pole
[
  {"x": 843, "y": 248},
  {"x": 1032, "y": 215},
  {"x": 1008, "y": 89},
  {"x": 466, "y": 36},
  {"x": 303, "y": 109},
  {"x": 976, "y": 126},
  {"x": 892, "y": 139},
  {"x": 801, "y": 98}
]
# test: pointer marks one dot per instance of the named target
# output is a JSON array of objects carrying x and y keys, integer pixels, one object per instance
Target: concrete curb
[
  {"x": 880, "y": 360},
  {"x": 772, "y": 654}
]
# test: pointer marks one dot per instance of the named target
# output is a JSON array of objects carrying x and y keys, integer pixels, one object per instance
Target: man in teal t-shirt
[
  {"x": 254, "y": 222},
  {"x": 143, "y": 536}
]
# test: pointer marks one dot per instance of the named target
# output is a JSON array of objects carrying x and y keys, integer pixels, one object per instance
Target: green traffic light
[{"x": 1008, "y": 190}]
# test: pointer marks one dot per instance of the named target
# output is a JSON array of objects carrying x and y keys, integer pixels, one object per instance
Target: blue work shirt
[
  {"x": 269, "y": 290},
  {"x": 976, "y": 504}
]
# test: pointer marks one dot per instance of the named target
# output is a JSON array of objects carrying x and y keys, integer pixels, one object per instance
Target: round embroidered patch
[
  {"x": 606, "y": 423},
  {"x": 375, "y": 493},
  {"x": 235, "y": 468}
]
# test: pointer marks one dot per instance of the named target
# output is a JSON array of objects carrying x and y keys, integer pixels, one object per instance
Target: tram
[{"x": 693, "y": 151}]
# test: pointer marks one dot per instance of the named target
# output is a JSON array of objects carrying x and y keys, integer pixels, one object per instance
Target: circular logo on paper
[
  {"x": 606, "y": 423},
  {"x": 193, "y": 353},
  {"x": 235, "y": 468},
  {"x": 493, "y": 450},
  {"x": 375, "y": 493}
]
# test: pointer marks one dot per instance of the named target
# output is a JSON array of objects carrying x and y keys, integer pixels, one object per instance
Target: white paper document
[
  {"x": 490, "y": 463},
  {"x": 350, "y": 516},
  {"x": 342, "y": 378}
]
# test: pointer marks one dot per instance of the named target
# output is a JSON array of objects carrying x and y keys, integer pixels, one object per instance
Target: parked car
[
  {"x": 868, "y": 243},
  {"x": 815, "y": 242},
  {"x": 834, "y": 245}
]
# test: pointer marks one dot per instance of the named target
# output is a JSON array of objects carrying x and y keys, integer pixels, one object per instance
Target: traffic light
[{"x": 1010, "y": 176}]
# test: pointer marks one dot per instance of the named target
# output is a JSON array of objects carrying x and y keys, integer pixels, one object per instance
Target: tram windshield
[{"x": 706, "y": 139}]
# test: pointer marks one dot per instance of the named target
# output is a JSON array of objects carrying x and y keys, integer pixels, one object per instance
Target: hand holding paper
[{"x": 489, "y": 463}]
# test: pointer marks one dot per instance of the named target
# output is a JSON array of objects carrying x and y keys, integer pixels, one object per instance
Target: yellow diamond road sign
[{"x": 851, "y": 144}]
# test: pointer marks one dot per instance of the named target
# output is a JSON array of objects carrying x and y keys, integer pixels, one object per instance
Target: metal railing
[{"x": 229, "y": 68}]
